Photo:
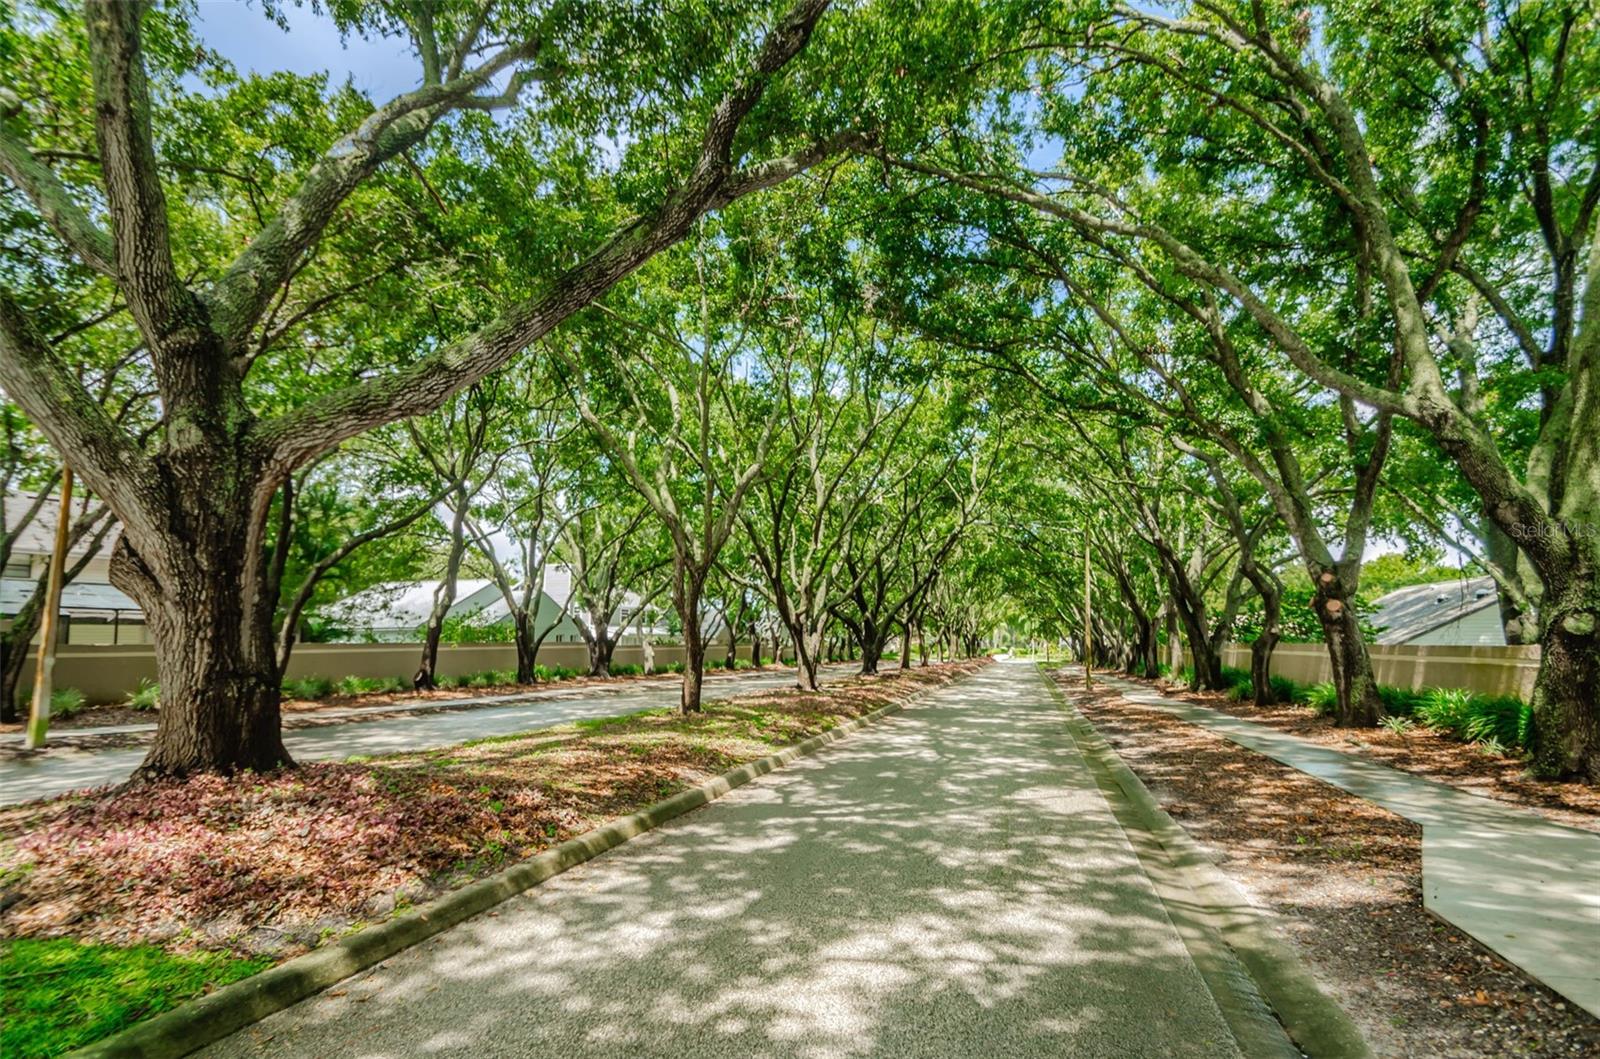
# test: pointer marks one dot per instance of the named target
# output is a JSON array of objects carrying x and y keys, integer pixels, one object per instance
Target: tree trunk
[
  {"x": 755, "y": 649},
  {"x": 686, "y": 596},
  {"x": 444, "y": 598},
  {"x": 14, "y": 659},
  {"x": 1359, "y": 704},
  {"x": 1207, "y": 663},
  {"x": 1261, "y": 649},
  {"x": 601, "y": 644},
  {"x": 905, "y": 645},
  {"x": 216, "y": 661},
  {"x": 527, "y": 650},
  {"x": 871, "y": 652},
  {"x": 807, "y": 656},
  {"x": 1566, "y": 705}
]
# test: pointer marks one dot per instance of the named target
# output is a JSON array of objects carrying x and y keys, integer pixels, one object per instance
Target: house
[
  {"x": 92, "y": 610},
  {"x": 1464, "y": 612},
  {"x": 393, "y": 612}
]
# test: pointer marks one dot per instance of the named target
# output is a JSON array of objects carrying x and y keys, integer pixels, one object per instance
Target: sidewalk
[
  {"x": 1526, "y": 888},
  {"x": 950, "y": 882}
]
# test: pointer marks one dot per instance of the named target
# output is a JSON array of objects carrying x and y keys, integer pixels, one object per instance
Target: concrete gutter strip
[
  {"x": 198, "y": 1022},
  {"x": 1209, "y": 908}
]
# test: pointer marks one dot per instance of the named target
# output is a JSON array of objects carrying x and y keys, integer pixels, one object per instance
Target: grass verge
[{"x": 57, "y": 994}]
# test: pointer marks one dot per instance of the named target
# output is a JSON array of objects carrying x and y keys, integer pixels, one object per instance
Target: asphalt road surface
[
  {"x": 63, "y": 769},
  {"x": 949, "y": 882}
]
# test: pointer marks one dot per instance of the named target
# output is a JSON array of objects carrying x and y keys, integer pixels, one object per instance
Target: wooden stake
[
  {"x": 44, "y": 674},
  {"x": 1088, "y": 618}
]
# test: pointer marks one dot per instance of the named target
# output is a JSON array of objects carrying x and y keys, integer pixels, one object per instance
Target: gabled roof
[
  {"x": 405, "y": 604},
  {"x": 1407, "y": 613},
  {"x": 79, "y": 599},
  {"x": 38, "y": 537}
]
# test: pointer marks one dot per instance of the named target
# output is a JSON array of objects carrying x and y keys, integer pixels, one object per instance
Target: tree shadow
[{"x": 950, "y": 882}]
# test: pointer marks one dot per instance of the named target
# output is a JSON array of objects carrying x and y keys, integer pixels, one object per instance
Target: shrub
[
  {"x": 367, "y": 685},
  {"x": 147, "y": 696},
  {"x": 1286, "y": 690},
  {"x": 1401, "y": 702},
  {"x": 1240, "y": 686},
  {"x": 1446, "y": 710},
  {"x": 1497, "y": 722},
  {"x": 1323, "y": 698},
  {"x": 627, "y": 669},
  {"x": 487, "y": 678},
  {"x": 1397, "y": 725},
  {"x": 64, "y": 702},
  {"x": 671, "y": 667},
  {"x": 312, "y": 688}
]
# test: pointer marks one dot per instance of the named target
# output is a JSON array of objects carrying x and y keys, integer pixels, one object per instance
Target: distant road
[{"x": 65, "y": 768}]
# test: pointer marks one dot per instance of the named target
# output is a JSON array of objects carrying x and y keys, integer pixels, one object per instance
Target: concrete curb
[
  {"x": 1314, "y": 1021},
  {"x": 200, "y": 1021}
]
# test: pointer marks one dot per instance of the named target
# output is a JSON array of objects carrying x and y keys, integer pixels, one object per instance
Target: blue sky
[{"x": 243, "y": 34}]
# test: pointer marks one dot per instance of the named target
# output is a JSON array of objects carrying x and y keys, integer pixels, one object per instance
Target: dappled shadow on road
[{"x": 950, "y": 883}]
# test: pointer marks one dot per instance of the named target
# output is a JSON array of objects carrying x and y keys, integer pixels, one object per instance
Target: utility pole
[
  {"x": 44, "y": 674},
  {"x": 1088, "y": 617}
]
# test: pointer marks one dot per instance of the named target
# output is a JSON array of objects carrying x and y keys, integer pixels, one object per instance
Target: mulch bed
[
  {"x": 1422, "y": 752},
  {"x": 1345, "y": 878},
  {"x": 274, "y": 864}
]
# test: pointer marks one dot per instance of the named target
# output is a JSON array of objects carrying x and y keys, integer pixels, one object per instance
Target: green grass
[{"x": 60, "y": 994}]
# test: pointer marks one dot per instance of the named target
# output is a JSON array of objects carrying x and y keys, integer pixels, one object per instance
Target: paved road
[
  {"x": 64, "y": 769},
  {"x": 949, "y": 882}
]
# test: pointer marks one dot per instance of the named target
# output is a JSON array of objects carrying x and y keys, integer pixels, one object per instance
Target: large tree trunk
[
  {"x": 1566, "y": 702},
  {"x": 216, "y": 661},
  {"x": 1359, "y": 704},
  {"x": 905, "y": 645},
  {"x": 755, "y": 648}
]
